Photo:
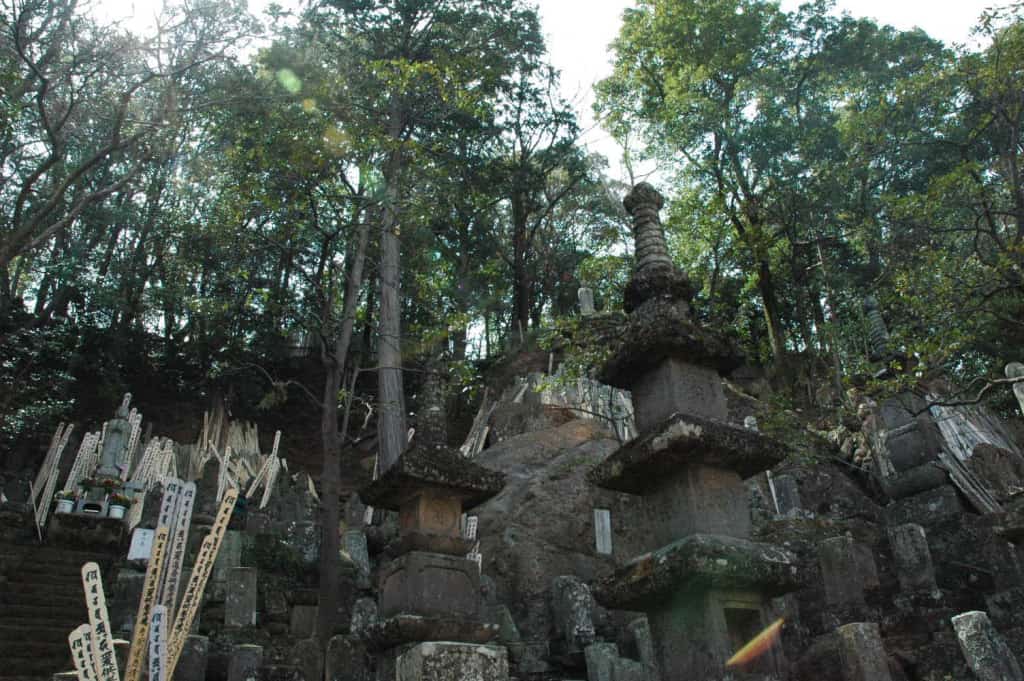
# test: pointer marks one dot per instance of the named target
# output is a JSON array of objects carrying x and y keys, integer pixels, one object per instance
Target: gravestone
[
  {"x": 787, "y": 493},
  {"x": 242, "y": 595},
  {"x": 913, "y": 558},
  {"x": 839, "y": 570},
  {"x": 346, "y": 660},
  {"x": 303, "y": 624},
  {"x": 862, "y": 654},
  {"x": 573, "y": 613},
  {"x": 603, "y": 531},
  {"x": 245, "y": 663},
  {"x": 586, "y": 297},
  {"x": 986, "y": 652},
  {"x": 193, "y": 661}
]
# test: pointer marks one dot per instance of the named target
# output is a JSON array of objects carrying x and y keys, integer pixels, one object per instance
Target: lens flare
[
  {"x": 289, "y": 81},
  {"x": 758, "y": 646}
]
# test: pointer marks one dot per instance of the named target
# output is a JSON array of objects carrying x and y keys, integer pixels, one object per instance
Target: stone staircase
[{"x": 41, "y": 602}]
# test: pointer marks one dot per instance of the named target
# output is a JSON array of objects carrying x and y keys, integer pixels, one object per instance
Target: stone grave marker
[{"x": 603, "y": 531}]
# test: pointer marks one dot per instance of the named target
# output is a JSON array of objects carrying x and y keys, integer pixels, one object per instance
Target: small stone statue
[{"x": 115, "y": 442}]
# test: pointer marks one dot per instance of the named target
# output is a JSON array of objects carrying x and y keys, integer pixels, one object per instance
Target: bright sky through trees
[{"x": 579, "y": 33}]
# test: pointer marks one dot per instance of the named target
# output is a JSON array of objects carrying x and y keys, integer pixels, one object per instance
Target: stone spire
[
  {"x": 654, "y": 275},
  {"x": 877, "y": 333},
  {"x": 432, "y": 418}
]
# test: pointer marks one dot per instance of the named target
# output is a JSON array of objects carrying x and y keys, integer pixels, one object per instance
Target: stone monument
[
  {"x": 115, "y": 442},
  {"x": 430, "y": 590},
  {"x": 703, "y": 583},
  {"x": 1016, "y": 370}
]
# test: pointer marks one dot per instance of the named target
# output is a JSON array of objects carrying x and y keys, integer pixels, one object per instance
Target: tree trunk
[
  {"x": 776, "y": 335},
  {"x": 391, "y": 428},
  {"x": 520, "y": 277},
  {"x": 330, "y": 476}
]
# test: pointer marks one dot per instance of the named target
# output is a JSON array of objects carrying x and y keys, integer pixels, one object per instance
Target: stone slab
[
  {"x": 440, "y": 471},
  {"x": 697, "y": 500},
  {"x": 926, "y": 508},
  {"x": 986, "y": 652},
  {"x": 430, "y": 585},
  {"x": 452, "y": 662},
  {"x": 699, "y": 562},
  {"x": 675, "y": 386},
  {"x": 646, "y": 462},
  {"x": 404, "y": 629}
]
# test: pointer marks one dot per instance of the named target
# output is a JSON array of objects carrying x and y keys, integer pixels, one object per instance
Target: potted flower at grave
[
  {"x": 118, "y": 504},
  {"x": 65, "y": 501}
]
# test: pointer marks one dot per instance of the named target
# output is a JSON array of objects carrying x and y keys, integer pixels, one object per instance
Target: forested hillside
[{"x": 307, "y": 206}]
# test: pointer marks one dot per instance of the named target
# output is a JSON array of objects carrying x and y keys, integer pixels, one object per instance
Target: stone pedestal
[{"x": 452, "y": 662}]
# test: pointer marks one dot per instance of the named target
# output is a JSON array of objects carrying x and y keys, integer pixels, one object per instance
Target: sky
[{"x": 579, "y": 33}]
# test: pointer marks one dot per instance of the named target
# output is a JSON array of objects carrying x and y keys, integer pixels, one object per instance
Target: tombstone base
[
  {"x": 430, "y": 585},
  {"x": 405, "y": 629},
  {"x": 446, "y": 662}
]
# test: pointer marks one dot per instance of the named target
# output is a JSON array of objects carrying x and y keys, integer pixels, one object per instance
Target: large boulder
[{"x": 542, "y": 524}]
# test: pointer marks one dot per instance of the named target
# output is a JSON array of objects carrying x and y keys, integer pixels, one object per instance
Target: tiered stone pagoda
[
  {"x": 431, "y": 624},
  {"x": 703, "y": 584}
]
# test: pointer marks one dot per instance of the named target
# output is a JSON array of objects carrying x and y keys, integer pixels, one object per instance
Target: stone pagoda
[
  {"x": 703, "y": 583},
  {"x": 431, "y": 625}
]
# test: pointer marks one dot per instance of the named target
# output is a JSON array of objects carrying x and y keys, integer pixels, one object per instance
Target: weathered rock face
[{"x": 541, "y": 525}]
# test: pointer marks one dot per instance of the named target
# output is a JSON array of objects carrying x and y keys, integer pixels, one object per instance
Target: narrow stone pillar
[
  {"x": 862, "y": 655},
  {"x": 986, "y": 652},
  {"x": 838, "y": 559},
  {"x": 245, "y": 663},
  {"x": 573, "y": 608},
  {"x": 586, "y": 297},
  {"x": 913, "y": 558},
  {"x": 241, "y": 598},
  {"x": 193, "y": 661}
]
